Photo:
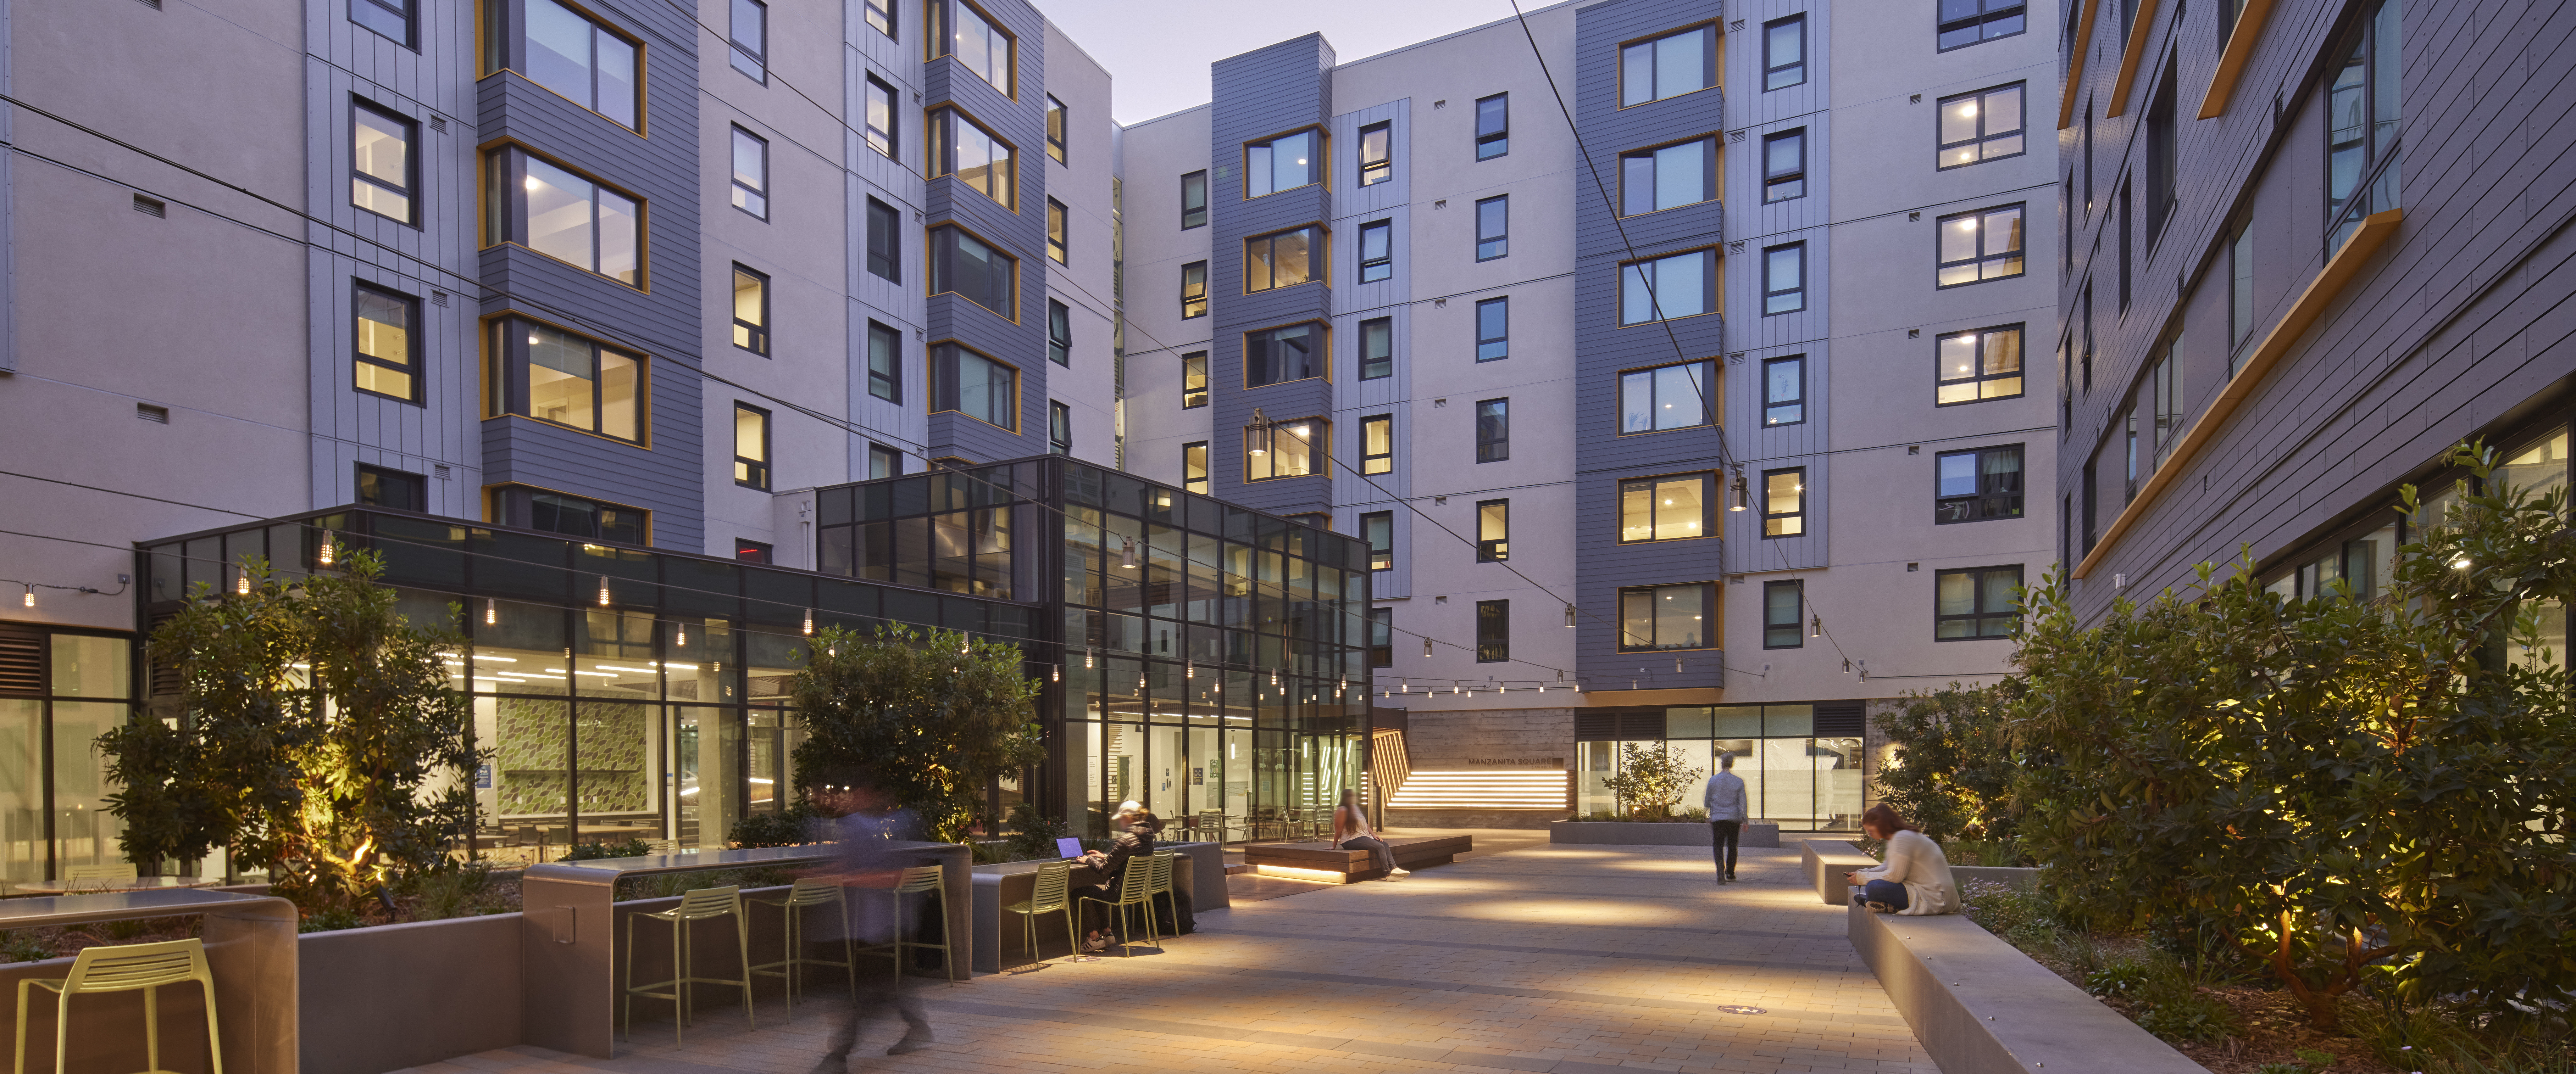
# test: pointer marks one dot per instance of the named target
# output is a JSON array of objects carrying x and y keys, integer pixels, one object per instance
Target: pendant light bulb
[
  {"x": 1677, "y": 665},
  {"x": 1426, "y": 646},
  {"x": 1569, "y": 617},
  {"x": 1738, "y": 504},
  {"x": 31, "y": 596},
  {"x": 1190, "y": 669},
  {"x": 1258, "y": 442},
  {"x": 1086, "y": 660},
  {"x": 809, "y": 612},
  {"x": 241, "y": 582},
  {"x": 1127, "y": 553},
  {"x": 1056, "y": 675},
  {"x": 1816, "y": 626},
  {"x": 683, "y": 639},
  {"x": 603, "y": 593},
  {"x": 325, "y": 555},
  {"x": 491, "y": 612}
]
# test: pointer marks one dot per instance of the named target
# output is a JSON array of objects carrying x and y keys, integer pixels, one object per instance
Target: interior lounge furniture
[{"x": 1325, "y": 863}]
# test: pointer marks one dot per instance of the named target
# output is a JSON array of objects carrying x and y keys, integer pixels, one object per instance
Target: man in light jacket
[{"x": 1725, "y": 801}]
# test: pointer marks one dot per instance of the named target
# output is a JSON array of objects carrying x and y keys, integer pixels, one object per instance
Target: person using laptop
[{"x": 1136, "y": 829}]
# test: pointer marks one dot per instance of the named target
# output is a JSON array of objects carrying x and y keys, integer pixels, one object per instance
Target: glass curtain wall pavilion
[
  {"x": 1801, "y": 767},
  {"x": 624, "y": 692},
  {"x": 1214, "y": 661}
]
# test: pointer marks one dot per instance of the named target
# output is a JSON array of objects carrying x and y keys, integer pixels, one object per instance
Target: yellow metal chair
[
  {"x": 147, "y": 966},
  {"x": 924, "y": 880},
  {"x": 1049, "y": 896},
  {"x": 809, "y": 893},
  {"x": 1135, "y": 889},
  {"x": 1160, "y": 883},
  {"x": 704, "y": 904}
]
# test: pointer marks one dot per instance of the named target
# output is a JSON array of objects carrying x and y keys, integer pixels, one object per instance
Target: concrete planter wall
[
  {"x": 397, "y": 996},
  {"x": 1687, "y": 833}
]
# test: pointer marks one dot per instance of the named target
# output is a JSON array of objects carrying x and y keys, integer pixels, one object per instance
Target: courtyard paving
[{"x": 1541, "y": 958}]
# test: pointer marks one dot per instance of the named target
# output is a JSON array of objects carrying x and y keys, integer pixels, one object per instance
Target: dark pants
[
  {"x": 879, "y": 996},
  {"x": 1380, "y": 857},
  {"x": 1887, "y": 893},
  {"x": 1722, "y": 835}
]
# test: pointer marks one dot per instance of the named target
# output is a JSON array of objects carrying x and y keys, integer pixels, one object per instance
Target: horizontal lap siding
[
  {"x": 1018, "y": 338},
  {"x": 1255, "y": 95}
]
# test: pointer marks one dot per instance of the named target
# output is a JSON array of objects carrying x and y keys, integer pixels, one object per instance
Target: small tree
[
  {"x": 936, "y": 716},
  {"x": 316, "y": 720},
  {"x": 1954, "y": 765},
  {"x": 1650, "y": 781}
]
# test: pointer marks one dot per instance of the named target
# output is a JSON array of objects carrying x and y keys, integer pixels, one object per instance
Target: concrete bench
[
  {"x": 1334, "y": 865},
  {"x": 1977, "y": 1003},
  {"x": 1826, "y": 860}
]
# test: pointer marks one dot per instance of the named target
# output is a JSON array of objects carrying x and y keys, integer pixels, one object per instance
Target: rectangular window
[
  {"x": 1381, "y": 639},
  {"x": 1377, "y": 154},
  {"x": 2240, "y": 290},
  {"x": 1280, "y": 355},
  {"x": 1493, "y": 531},
  {"x": 1194, "y": 299},
  {"x": 1493, "y": 126},
  {"x": 2084, "y": 303},
  {"x": 1784, "y": 53},
  {"x": 1982, "y": 126},
  {"x": 1666, "y": 508},
  {"x": 1493, "y": 227},
  {"x": 1059, "y": 428},
  {"x": 1283, "y": 163},
  {"x": 1981, "y": 245},
  {"x": 750, "y": 446},
  {"x": 562, "y": 378},
  {"x": 1977, "y": 365},
  {"x": 380, "y": 487},
  {"x": 1493, "y": 329},
  {"x": 571, "y": 516},
  {"x": 1057, "y": 226},
  {"x": 569, "y": 53},
  {"x": 1055, "y": 128},
  {"x": 1977, "y": 486},
  {"x": 880, "y": 15},
  {"x": 974, "y": 385},
  {"x": 1493, "y": 631},
  {"x": 1783, "y": 606},
  {"x": 750, "y": 34},
  {"x": 1378, "y": 529},
  {"x": 885, "y": 241},
  {"x": 750, "y": 310},
  {"x": 751, "y": 173},
  {"x": 2129, "y": 451},
  {"x": 1285, "y": 449},
  {"x": 1377, "y": 348},
  {"x": 2361, "y": 127},
  {"x": 1281, "y": 259},
  {"x": 885, "y": 363},
  {"x": 1784, "y": 390},
  {"x": 1784, "y": 502},
  {"x": 1668, "y": 66},
  {"x": 750, "y": 551},
  {"x": 884, "y": 462},
  {"x": 1666, "y": 397},
  {"x": 1784, "y": 165},
  {"x": 1670, "y": 177},
  {"x": 1493, "y": 430},
  {"x": 1683, "y": 285},
  {"x": 383, "y": 171},
  {"x": 389, "y": 18},
  {"x": 2161, "y": 148},
  {"x": 1377, "y": 251},
  {"x": 1194, "y": 380},
  {"x": 879, "y": 99},
  {"x": 965, "y": 265},
  {"x": 2164, "y": 389},
  {"x": 1194, "y": 467},
  {"x": 1658, "y": 618},
  {"x": 1194, "y": 200},
  {"x": 1059, "y": 333},
  {"x": 980, "y": 161},
  {"x": 1784, "y": 278},
  {"x": 1966, "y": 22},
  {"x": 1377, "y": 444},
  {"x": 388, "y": 350},
  {"x": 964, "y": 34},
  {"x": 1978, "y": 602}
]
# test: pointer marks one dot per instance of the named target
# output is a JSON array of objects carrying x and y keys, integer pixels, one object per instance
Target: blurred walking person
[
  {"x": 1726, "y": 815},
  {"x": 868, "y": 864}
]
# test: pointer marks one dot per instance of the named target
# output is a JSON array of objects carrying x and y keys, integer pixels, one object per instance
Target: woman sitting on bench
[{"x": 1351, "y": 832}]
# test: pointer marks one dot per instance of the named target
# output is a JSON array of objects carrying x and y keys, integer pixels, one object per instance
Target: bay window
[
  {"x": 967, "y": 266},
  {"x": 562, "y": 215},
  {"x": 980, "y": 161},
  {"x": 974, "y": 385},
  {"x": 1664, "y": 617},
  {"x": 539, "y": 372},
  {"x": 1683, "y": 285}
]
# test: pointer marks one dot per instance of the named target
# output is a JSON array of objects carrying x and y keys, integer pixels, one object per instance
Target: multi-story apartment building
[
  {"x": 1633, "y": 468},
  {"x": 2354, "y": 290}
]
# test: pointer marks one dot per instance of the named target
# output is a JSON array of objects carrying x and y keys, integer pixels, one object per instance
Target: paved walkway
[{"x": 1566, "y": 959}]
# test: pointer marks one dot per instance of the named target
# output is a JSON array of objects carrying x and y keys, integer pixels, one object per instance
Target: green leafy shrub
[
  {"x": 1955, "y": 760},
  {"x": 467, "y": 890},
  {"x": 1650, "y": 780},
  {"x": 2283, "y": 1068},
  {"x": 20, "y": 947},
  {"x": 788, "y": 827},
  {"x": 331, "y": 919},
  {"x": 2125, "y": 978},
  {"x": 934, "y": 715},
  {"x": 624, "y": 848},
  {"x": 1033, "y": 834},
  {"x": 2188, "y": 1018}
]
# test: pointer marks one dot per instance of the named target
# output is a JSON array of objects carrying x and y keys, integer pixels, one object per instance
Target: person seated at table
[
  {"x": 1137, "y": 827},
  {"x": 1351, "y": 832},
  {"x": 1915, "y": 879}
]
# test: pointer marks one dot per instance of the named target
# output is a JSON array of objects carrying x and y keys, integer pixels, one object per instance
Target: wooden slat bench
[{"x": 1329, "y": 864}]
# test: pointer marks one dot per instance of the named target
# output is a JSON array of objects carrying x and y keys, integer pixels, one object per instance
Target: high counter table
[
  {"x": 568, "y": 935},
  {"x": 250, "y": 946}
]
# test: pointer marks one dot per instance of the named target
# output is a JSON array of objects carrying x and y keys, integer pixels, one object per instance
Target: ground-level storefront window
[
  {"x": 59, "y": 690},
  {"x": 1792, "y": 774}
]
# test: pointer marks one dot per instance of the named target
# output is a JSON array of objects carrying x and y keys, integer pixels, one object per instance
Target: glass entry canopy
[
  {"x": 1213, "y": 659},
  {"x": 1801, "y": 764},
  {"x": 624, "y": 692}
]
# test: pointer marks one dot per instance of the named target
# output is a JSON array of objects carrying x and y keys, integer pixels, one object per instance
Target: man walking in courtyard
[{"x": 1725, "y": 801}]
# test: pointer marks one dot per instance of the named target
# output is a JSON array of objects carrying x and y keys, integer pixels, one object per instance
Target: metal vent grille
[
  {"x": 22, "y": 661},
  {"x": 148, "y": 412},
  {"x": 1840, "y": 719},
  {"x": 438, "y": 123},
  {"x": 150, "y": 206}
]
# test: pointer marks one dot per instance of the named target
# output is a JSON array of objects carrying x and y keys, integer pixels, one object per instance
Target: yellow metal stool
[
  {"x": 704, "y": 904},
  {"x": 147, "y": 966},
  {"x": 1160, "y": 883},
  {"x": 87, "y": 875},
  {"x": 924, "y": 880},
  {"x": 1049, "y": 896},
  {"x": 807, "y": 893},
  {"x": 1135, "y": 888}
]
